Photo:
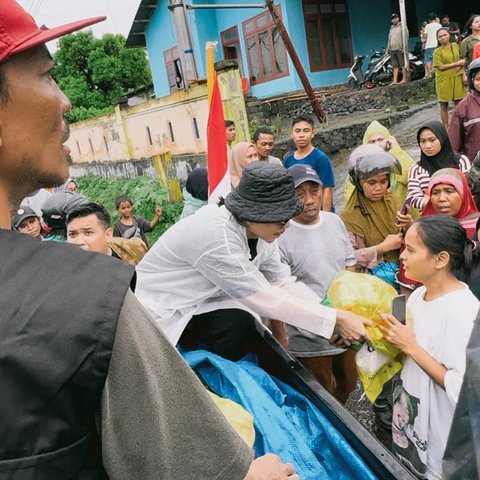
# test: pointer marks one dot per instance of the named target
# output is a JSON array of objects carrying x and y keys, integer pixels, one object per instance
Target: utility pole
[
  {"x": 317, "y": 107},
  {"x": 184, "y": 42},
  {"x": 403, "y": 19}
]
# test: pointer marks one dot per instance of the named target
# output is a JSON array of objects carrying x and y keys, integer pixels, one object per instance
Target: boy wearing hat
[
  {"x": 80, "y": 346},
  {"x": 213, "y": 269},
  {"x": 316, "y": 247},
  {"x": 26, "y": 221}
]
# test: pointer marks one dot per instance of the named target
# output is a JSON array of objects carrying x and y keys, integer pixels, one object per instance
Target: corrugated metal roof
[{"x": 136, "y": 36}]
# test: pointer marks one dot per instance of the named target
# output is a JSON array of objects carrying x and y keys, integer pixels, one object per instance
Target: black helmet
[
  {"x": 473, "y": 68},
  {"x": 58, "y": 205},
  {"x": 375, "y": 164}
]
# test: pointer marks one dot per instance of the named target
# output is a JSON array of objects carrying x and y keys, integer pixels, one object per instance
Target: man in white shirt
[{"x": 431, "y": 41}]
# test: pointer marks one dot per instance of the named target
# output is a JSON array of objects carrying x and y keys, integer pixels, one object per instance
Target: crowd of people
[{"x": 89, "y": 357}]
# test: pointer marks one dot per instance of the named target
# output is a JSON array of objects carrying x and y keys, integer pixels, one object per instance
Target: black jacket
[{"x": 59, "y": 309}]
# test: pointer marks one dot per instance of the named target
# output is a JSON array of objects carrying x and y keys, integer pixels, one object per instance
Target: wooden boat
[{"x": 277, "y": 361}]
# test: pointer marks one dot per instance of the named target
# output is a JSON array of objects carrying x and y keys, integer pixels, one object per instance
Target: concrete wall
[
  {"x": 124, "y": 135},
  {"x": 120, "y": 145}
]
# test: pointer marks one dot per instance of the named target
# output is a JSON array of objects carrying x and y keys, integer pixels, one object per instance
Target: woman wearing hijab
[
  {"x": 195, "y": 192},
  {"x": 243, "y": 153},
  {"x": 449, "y": 194},
  {"x": 370, "y": 216},
  {"x": 436, "y": 153},
  {"x": 377, "y": 134}
]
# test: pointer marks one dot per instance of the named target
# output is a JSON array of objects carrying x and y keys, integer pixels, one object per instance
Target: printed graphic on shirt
[{"x": 407, "y": 445}]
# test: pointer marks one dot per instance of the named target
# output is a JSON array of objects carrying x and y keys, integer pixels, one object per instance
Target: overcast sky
[{"x": 119, "y": 13}]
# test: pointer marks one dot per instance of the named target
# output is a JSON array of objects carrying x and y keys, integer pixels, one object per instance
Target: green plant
[
  {"x": 145, "y": 193},
  {"x": 273, "y": 123}
]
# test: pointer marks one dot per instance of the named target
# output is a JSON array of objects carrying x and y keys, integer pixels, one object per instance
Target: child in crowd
[
  {"x": 127, "y": 221},
  {"x": 302, "y": 135},
  {"x": 27, "y": 221}
]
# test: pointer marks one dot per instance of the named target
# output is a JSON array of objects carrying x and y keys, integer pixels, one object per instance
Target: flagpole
[{"x": 210, "y": 69}]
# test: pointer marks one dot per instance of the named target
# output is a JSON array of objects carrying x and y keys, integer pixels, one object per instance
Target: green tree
[{"x": 92, "y": 72}]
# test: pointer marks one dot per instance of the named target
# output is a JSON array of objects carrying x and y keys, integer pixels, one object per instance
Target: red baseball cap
[{"x": 19, "y": 32}]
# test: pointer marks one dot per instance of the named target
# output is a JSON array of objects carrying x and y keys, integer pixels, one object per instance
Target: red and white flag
[{"x": 217, "y": 157}]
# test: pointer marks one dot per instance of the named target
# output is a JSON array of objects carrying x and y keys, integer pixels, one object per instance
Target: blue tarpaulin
[{"x": 286, "y": 423}]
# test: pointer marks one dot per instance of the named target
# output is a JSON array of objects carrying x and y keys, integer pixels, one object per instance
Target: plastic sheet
[
  {"x": 367, "y": 295},
  {"x": 286, "y": 423}
]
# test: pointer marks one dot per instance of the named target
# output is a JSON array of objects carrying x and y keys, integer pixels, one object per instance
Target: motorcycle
[{"x": 379, "y": 70}]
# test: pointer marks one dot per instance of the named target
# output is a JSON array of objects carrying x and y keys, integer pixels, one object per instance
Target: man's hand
[
  {"x": 351, "y": 327},
  {"x": 270, "y": 467}
]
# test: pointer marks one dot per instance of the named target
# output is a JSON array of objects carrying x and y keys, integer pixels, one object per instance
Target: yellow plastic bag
[
  {"x": 367, "y": 295},
  {"x": 237, "y": 417}
]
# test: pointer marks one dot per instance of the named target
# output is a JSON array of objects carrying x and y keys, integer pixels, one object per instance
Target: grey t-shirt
[
  {"x": 315, "y": 254},
  {"x": 157, "y": 419}
]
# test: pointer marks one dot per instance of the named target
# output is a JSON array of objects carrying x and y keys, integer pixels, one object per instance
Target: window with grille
[
  {"x": 174, "y": 69},
  {"x": 329, "y": 40},
  {"x": 266, "y": 54}
]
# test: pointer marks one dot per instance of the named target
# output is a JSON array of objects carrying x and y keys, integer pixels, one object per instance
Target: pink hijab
[{"x": 238, "y": 161}]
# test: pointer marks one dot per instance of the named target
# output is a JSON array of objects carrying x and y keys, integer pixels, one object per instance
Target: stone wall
[
  {"x": 183, "y": 165},
  {"x": 343, "y": 103},
  {"x": 333, "y": 139}
]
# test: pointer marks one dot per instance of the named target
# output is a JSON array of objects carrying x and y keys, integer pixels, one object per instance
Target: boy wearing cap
[
  {"x": 80, "y": 346},
  {"x": 26, "y": 221},
  {"x": 316, "y": 247}
]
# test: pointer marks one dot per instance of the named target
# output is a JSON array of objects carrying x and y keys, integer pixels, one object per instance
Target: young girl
[
  {"x": 243, "y": 153},
  {"x": 442, "y": 311},
  {"x": 436, "y": 153},
  {"x": 124, "y": 205}
]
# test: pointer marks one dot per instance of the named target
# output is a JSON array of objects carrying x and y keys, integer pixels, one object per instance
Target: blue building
[{"x": 326, "y": 34}]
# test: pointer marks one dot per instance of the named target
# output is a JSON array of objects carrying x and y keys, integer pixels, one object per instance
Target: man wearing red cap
[{"x": 80, "y": 344}]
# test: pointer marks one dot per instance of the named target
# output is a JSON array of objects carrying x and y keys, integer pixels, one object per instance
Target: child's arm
[
  {"x": 156, "y": 217},
  {"x": 327, "y": 199}
]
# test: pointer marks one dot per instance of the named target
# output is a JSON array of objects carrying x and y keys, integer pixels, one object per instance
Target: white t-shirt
[
  {"x": 422, "y": 410},
  {"x": 315, "y": 254},
  {"x": 431, "y": 29}
]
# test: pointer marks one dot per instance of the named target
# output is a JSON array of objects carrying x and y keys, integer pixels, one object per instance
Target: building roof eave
[{"x": 136, "y": 36}]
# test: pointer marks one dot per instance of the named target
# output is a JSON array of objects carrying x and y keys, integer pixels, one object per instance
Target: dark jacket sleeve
[{"x": 455, "y": 131}]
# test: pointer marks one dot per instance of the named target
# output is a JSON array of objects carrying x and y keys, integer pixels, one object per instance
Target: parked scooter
[{"x": 379, "y": 70}]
